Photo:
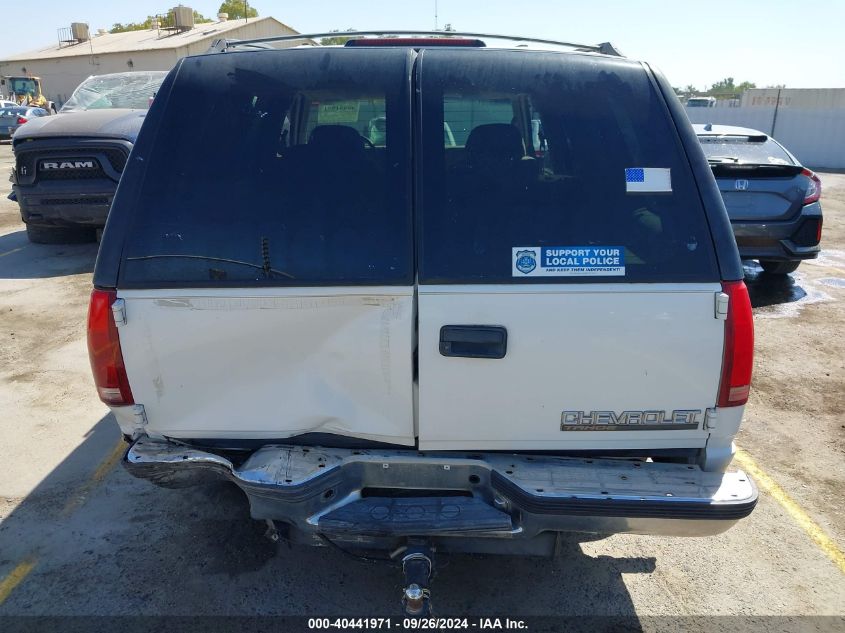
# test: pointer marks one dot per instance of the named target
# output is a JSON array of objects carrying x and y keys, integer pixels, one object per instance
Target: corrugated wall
[
  {"x": 809, "y": 122},
  {"x": 61, "y": 75}
]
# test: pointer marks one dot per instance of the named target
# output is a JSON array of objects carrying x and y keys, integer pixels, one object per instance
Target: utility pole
[
  {"x": 435, "y": 15},
  {"x": 775, "y": 115}
]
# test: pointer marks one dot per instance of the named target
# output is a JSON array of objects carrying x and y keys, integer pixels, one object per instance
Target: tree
[
  {"x": 147, "y": 24},
  {"x": 338, "y": 40},
  {"x": 690, "y": 89},
  {"x": 237, "y": 9},
  {"x": 725, "y": 85},
  {"x": 727, "y": 88}
]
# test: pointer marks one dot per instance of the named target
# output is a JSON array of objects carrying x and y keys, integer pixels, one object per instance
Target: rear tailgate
[
  {"x": 761, "y": 192},
  {"x": 759, "y": 180},
  {"x": 267, "y": 265},
  {"x": 568, "y": 280},
  {"x": 587, "y": 366},
  {"x": 272, "y": 363}
]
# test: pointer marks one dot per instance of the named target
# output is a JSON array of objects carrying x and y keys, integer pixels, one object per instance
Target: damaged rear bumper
[{"x": 373, "y": 496}]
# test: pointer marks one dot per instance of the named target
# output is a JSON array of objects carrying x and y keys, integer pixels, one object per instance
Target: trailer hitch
[{"x": 418, "y": 569}]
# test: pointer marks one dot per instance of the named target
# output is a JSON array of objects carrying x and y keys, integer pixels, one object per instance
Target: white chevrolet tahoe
[{"x": 411, "y": 341}]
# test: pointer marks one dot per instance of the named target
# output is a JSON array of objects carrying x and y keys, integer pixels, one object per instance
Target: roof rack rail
[{"x": 222, "y": 45}]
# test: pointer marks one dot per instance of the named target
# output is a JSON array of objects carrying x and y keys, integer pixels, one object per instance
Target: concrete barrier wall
[{"x": 809, "y": 122}]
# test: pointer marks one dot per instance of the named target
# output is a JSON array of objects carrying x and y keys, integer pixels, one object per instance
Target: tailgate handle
[{"x": 474, "y": 341}]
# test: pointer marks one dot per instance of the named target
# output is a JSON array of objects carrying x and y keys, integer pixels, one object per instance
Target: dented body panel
[{"x": 272, "y": 363}]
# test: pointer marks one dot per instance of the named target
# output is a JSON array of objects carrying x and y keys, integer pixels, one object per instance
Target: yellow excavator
[{"x": 26, "y": 91}]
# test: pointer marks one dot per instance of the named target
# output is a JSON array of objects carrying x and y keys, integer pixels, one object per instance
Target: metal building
[{"x": 79, "y": 54}]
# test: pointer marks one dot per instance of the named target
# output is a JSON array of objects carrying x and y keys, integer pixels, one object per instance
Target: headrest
[
  {"x": 500, "y": 142},
  {"x": 336, "y": 137}
]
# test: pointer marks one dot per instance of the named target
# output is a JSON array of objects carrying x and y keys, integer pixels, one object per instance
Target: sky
[{"x": 768, "y": 42}]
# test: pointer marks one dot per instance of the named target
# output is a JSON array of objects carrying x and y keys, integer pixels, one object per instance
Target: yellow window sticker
[{"x": 338, "y": 112}]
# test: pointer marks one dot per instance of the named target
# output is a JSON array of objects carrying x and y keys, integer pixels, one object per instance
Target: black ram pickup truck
[{"x": 67, "y": 167}]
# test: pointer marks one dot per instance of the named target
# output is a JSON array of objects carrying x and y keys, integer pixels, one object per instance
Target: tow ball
[{"x": 417, "y": 568}]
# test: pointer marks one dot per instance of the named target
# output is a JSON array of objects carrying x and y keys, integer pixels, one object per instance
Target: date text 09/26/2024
[{"x": 480, "y": 624}]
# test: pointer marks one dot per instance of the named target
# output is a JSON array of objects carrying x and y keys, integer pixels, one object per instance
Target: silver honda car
[
  {"x": 772, "y": 200},
  {"x": 11, "y": 118}
]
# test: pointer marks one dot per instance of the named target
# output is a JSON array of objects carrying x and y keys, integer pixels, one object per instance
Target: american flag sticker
[{"x": 648, "y": 180}]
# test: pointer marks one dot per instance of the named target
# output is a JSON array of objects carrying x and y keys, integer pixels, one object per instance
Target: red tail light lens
[
  {"x": 819, "y": 232},
  {"x": 738, "y": 356},
  {"x": 104, "y": 350},
  {"x": 814, "y": 187},
  {"x": 22, "y": 120}
]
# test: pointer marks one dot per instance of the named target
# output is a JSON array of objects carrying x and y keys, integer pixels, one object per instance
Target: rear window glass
[
  {"x": 557, "y": 162},
  {"x": 287, "y": 168},
  {"x": 739, "y": 149}
]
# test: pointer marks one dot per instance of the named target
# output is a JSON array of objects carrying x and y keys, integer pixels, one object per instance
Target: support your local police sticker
[{"x": 568, "y": 261}]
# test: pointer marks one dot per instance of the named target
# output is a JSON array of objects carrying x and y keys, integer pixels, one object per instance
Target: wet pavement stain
[
  {"x": 833, "y": 282},
  {"x": 778, "y": 296},
  {"x": 828, "y": 258},
  {"x": 767, "y": 290}
]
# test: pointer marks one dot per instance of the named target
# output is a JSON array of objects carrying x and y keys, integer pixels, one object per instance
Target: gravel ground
[{"x": 103, "y": 543}]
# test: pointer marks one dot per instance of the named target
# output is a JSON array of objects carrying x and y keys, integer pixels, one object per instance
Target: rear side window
[
  {"x": 742, "y": 149},
  {"x": 277, "y": 168},
  {"x": 558, "y": 164}
]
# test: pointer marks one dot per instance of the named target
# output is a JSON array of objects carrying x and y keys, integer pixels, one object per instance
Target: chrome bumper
[{"x": 356, "y": 495}]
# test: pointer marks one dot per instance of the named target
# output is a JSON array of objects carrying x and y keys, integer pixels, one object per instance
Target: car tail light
[
  {"x": 738, "y": 356},
  {"x": 22, "y": 120},
  {"x": 819, "y": 232},
  {"x": 814, "y": 189},
  {"x": 104, "y": 350}
]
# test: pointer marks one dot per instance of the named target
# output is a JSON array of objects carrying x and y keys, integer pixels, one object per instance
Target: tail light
[
  {"x": 22, "y": 120},
  {"x": 814, "y": 189},
  {"x": 819, "y": 232},
  {"x": 738, "y": 356},
  {"x": 104, "y": 350}
]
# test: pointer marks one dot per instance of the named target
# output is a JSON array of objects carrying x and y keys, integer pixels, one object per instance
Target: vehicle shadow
[
  {"x": 21, "y": 259},
  {"x": 121, "y": 546},
  {"x": 38, "y": 519},
  {"x": 766, "y": 290}
]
